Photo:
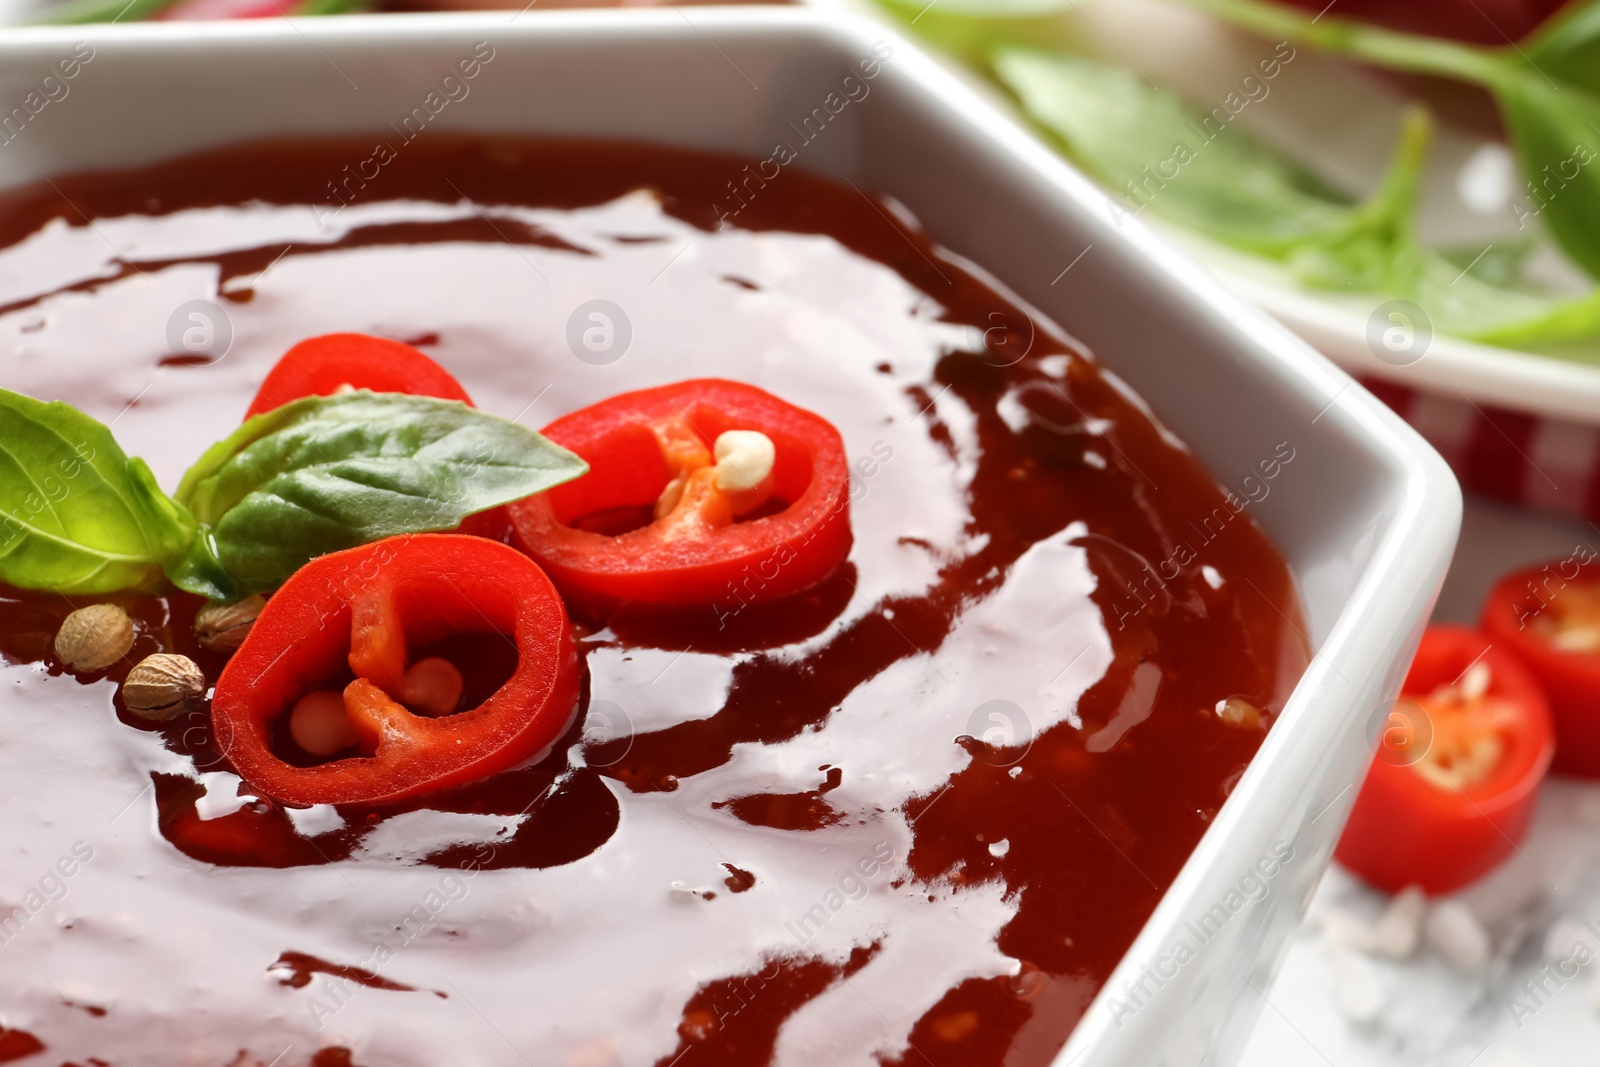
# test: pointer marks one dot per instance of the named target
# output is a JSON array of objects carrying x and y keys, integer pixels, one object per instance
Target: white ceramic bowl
[{"x": 1366, "y": 515}]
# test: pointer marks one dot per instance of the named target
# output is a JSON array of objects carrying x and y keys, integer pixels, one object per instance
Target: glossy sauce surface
[{"x": 914, "y": 815}]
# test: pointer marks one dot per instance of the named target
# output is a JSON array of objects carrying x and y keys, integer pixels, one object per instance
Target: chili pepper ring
[
  {"x": 664, "y": 516},
  {"x": 366, "y": 606}
]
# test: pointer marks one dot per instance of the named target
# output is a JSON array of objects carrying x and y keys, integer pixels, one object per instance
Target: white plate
[{"x": 1343, "y": 122}]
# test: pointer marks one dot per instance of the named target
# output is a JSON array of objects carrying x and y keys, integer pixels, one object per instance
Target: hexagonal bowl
[{"x": 1367, "y": 519}]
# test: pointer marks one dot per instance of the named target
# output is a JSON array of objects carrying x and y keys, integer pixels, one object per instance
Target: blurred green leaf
[
  {"x": 1154, "y": 152},
  {"x": 1241, "y": 192},
  {"x": 1556, "y": 133},
  {"x": 1374, "y": 248},
  {"x": 1567, "y": 48},
  {"x": 1548, "y": 92},
  {"x": 1500, "y": 263},
  {"x": 970, "y": 29},
  {"x": 77, "y": 12},
  {"x": 330, "y": 7}
]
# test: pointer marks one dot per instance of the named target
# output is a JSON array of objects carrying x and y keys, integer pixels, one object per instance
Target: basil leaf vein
[
  {"x": 327, "y": 473},
  {"x": 77, "y": 516}
]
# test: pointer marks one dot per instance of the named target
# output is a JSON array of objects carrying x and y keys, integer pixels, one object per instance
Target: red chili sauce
[{"x": 913, "y": 815}]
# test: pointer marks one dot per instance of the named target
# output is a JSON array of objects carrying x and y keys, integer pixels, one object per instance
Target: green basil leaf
[
  {"x": 1501, "y": 264},
  {"x": 1151, "y": 151},
  {"x": 76, "y": 12},
  {"x": 1556, "y": 133},
  {"x": 1379, "y": 252},
  {"x": 972, "y": 28},
  {"x": 1548, "y": 91},
  {"x": 1567, "y": 48},
  {"x": 1519, "y": 320},
  {"x": 1466, "y": 306},
  {"x": 989, "y": 9},
  {"x": 1376, "y": 248},
  {"x": 77, "y": 516},
  {"x": 327, "y": 473},
  {"x": 1364, "y": 41},
  {"x": 1241, "y": 192}
]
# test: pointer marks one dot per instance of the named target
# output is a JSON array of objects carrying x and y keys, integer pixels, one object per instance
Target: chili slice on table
[
  {"x": 1549, "y": 617},
  {"x": 322, "y": 366},
  {"x": 1457, "y": 769},
  {"x": 364, "y": 608},
  {"x": 706, "y": 492}
]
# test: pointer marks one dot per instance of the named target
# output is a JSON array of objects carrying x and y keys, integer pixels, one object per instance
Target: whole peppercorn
[
  {"x": 162, "y": 686},
  {"x": 93, "y": 638}
]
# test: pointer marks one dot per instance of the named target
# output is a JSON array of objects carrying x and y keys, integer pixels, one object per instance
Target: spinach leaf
[
  {"x": 77, "y": 516},
  {"x": 326, "y": 473}
]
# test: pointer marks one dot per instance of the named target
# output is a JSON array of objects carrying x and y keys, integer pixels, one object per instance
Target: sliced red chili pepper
[
  {"x": 653, "y": 522},
  {"x": 1457, "y": 770},
  {"x": 365, "y": 607},
  {"x": 321, "y": 366},
  {"x": 1549, "y": 617}
]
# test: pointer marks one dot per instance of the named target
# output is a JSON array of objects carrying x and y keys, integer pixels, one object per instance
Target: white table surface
[{"x": 1432, "y": 1016}]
